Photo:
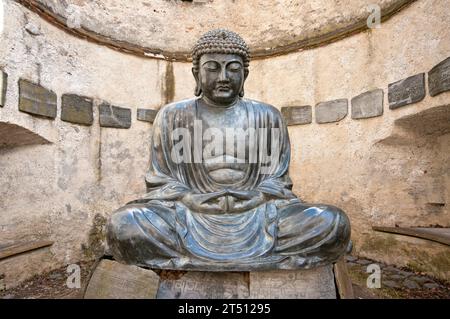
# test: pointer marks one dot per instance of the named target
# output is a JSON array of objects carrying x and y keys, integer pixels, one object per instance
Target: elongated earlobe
[
  {"x": 198, "y": 90},
  {"x": 198, "y": 87}
]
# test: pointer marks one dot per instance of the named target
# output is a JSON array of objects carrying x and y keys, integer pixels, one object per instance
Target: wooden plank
[
  {"x": 89, "y": 276},
  {"x": 440, "y": 235},
  {"x": 343, "y": 281},
  {"x": 19, "y": 248}
]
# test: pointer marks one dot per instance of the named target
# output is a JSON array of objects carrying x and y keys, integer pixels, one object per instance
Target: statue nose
[{"x": 223, "y": 76}]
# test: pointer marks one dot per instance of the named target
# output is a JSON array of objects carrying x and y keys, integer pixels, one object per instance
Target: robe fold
[{"x": 164, "y": 230}]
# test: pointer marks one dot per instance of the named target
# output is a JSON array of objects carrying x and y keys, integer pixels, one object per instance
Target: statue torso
[
  {"x": 226, "y": 164},
  {"x": 240, "y": 163}
]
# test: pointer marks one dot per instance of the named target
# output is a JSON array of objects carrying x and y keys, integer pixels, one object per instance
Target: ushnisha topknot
[{"x": 221, "y": 41}]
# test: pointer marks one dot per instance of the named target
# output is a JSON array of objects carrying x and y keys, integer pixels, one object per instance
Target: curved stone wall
[
  {"x": 148, "y": 28},
  {"x": 383, "y": 165}
]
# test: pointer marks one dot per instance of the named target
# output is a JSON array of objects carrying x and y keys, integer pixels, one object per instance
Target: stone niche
[
  {"x": 413, "y": 162},
  {"x": 418, "y": 149},
  {"x": 12, "y": 135},
  {"x": 111, "y": 279}
]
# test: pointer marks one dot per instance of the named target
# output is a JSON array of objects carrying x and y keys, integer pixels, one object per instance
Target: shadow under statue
[{"x": 223, "y": 206}]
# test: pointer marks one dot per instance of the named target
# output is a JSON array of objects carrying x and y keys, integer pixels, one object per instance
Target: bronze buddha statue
[{"x": 220, "y": 204}]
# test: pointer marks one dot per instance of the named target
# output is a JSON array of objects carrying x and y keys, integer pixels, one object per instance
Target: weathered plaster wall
[
  {"x": 383, "y": 171},
  {"x": 53, "y": 191}
]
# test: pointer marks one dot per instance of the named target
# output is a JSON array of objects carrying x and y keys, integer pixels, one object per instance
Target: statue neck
[{"x": 211, "y": 103}]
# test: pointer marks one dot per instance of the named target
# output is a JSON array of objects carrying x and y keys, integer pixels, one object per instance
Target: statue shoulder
[
  {"x": 168, "y": 109},
  {"x": 264, "y": 106},
  {"x": 178, "y": 105}
]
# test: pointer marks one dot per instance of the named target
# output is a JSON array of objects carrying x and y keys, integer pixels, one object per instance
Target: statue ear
[
  {"x": 198, "y": 87},
  {"x": 246, "y": 72},
  {"x": 241, "y": 93}
]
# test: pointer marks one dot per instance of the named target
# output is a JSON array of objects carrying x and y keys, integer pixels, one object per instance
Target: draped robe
[{"x": 164, "y": 230}]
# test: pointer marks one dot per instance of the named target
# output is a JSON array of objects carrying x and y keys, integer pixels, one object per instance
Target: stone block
[
  {"x": 297, "y": 115},
  {"x": 112, "y": 280},
  {"x": 146, "y": 115},
  {"x": 3, "y": 86},
  {"x": 390, "y": 284},
  {"x": 368, "y": 104},
  {"x": 407, "y": 91},
  {"x": 439, "y": 78},
  {"x": 410, "y": 284},
  {"x": 37, "y": 100},
  {"x": 431, "y": 286},
  {"x": 364, "y": 262},
  {"x": 331, "y": 111},
  {"x": 77, "y": 109},
  {"x": 114, "y": 116},
  {"x": 205, "y": 285},
  {"x": 315, "y": 283}
]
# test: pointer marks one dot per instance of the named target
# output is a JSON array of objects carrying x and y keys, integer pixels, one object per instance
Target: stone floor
[
  {"x": 395, "y": 283},
  {"x": 49, "y": 285}
]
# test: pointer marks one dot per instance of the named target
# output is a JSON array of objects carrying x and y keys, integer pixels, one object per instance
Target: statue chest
[{"x": 225, "y": 143}]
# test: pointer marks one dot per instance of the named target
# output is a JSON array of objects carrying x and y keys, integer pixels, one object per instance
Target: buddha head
[{"x": 220, "y": 66}]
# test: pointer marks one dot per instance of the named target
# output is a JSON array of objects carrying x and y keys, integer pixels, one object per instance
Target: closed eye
[
  {"x": 234, "y": 66},
  {"x": 211, "y": 66}
]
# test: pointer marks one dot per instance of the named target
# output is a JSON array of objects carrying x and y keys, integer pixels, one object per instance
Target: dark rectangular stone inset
[
  {"x": 297, "y": 115},
  {"x": 36, "y": 99},
  {"x": 439, "y": 78},
  {"x": 77, "y": 109},
  {"x": 114, "y": 116},
  {"x": 368, "y": 104},
  {"x": 407, "y": 91},
  {"x": 146, "y": 115},
  {"x": 3, "y": 85},
  {"x": 331, "y": 111}
]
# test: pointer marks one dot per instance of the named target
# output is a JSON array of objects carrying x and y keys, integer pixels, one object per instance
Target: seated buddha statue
[{"x": 218, "y": 201}]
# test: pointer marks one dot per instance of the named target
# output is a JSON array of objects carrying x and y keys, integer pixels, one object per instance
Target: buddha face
[{"x": 221, "y": 77}]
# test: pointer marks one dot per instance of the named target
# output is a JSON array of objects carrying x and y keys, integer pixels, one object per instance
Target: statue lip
[{"x": 222, "y": 87}]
